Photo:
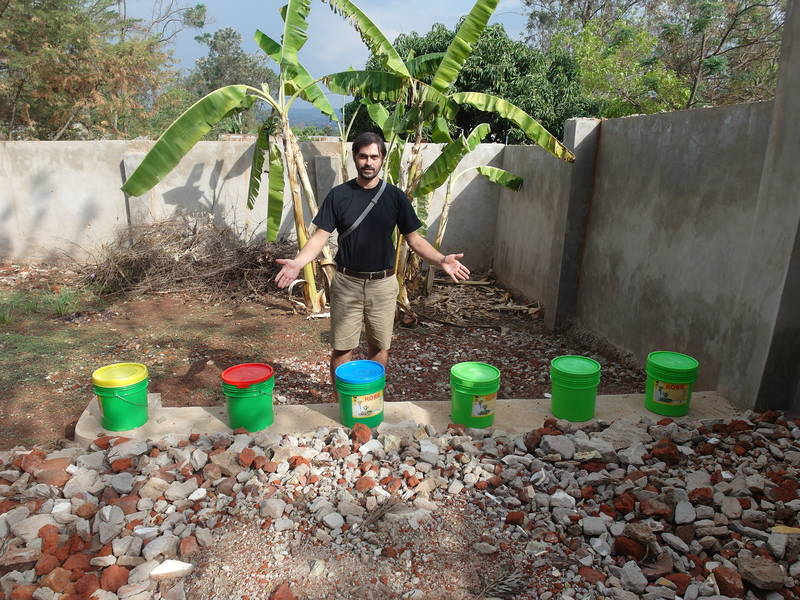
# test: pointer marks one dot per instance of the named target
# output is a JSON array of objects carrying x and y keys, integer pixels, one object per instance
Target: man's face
[{"x": 369, "y": 161}]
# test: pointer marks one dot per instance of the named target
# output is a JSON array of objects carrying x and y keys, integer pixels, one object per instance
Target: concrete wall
[
  {"x": 763, "y": 348},
  {"x": 540, "y": 228},
  {"x": 674, "y": 198},
  {"x": 529, "y": 223},
  {"x": 62, "y": 199}
]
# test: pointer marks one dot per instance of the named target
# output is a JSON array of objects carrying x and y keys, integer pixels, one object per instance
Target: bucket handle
[{"x": 116, "y": 395}]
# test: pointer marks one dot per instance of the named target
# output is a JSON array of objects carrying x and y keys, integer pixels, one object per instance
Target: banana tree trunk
[
  {"x": 437, "y": 243},
  {"x": 402, "y": 263},
  {"x": 312, "y": 298},
  {"x": 328, "y": 266}
]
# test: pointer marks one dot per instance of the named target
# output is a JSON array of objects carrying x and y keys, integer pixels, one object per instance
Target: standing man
[{"x": 365, "y": 211}]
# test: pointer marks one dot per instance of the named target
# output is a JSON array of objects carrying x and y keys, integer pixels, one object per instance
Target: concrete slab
[{"x": 511, "y": 415}]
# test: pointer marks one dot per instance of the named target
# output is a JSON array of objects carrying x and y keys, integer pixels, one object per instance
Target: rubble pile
[{"x": 667, "y": 509}]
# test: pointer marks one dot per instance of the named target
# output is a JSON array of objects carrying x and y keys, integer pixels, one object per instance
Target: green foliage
[
  {"x": 307, "y": 132},
  {"x": 646, "y": 55},
  {"x": 68, "y": 72},
  {"x": 620, "y": 70},
  {"x": 726, "y": 50},
  {"x": 544, "y": 85},
  {"x": 19, "y": 305}
]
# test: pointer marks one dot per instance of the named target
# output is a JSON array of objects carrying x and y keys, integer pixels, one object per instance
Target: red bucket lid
[{"x": 248, "y": 374}]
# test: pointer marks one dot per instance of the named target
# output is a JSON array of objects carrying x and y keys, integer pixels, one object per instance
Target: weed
[{"x": 18, "y": 305}]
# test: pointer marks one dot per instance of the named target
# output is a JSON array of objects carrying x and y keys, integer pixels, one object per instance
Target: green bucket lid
[
  {"x": 576, "y": 366},
  {"x": 673, "y": 361},
  {"x": 475, "y": 372}
]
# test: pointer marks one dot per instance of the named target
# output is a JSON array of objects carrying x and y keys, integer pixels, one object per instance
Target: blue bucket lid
[{"x": 360, "y": 371}]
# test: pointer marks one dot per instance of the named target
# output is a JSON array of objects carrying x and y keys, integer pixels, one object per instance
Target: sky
[{"x": 333, "y": 45}]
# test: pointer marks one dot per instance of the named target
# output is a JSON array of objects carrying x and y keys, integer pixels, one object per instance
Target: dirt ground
[{"x": 187, "y": 341}]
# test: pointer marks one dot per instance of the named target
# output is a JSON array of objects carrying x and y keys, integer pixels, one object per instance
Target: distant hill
[{"x": 305, "y": 114}]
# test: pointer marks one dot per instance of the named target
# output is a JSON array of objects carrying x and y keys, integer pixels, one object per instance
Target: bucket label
[
  {"x": 368, "y": 405},
  {"x": 671, "y": 394},
  {"x": 483, "y": 406}
]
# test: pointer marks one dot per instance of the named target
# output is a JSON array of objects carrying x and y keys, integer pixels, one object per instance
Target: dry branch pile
[{"x": 172, "y": 256}]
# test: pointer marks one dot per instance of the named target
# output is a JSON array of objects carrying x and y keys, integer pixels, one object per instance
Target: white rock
[
  {"x": 272, "y": 507},
  {"x": 371, "y": 446},
  {"x": 127, "y": 449},
  {"x": 632, "y": 577},
  {"x": 198, "y": 494},
  {"x": 333, "y": 520},
  {"x": 593, "y": 526},
  {"x": 164, "y": 545},
  {"x": 170, "y": 569},
  {"x": 28, "y": 529},
  {"x": 154, "y": 488},
  {"x": 484, "y": 548},
  {"x": 103, "y": 561},
  {"x": 180, "y": 490},
  {"x": 283, "y": 524},
  {"x": 684, "y": 513},
  {"x": 560, "y": 499}
]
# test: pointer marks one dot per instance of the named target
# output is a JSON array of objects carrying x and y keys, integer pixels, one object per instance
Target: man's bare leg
[
  {"x": 339, "y": 357},
  {"x": 378, "y": 355}
]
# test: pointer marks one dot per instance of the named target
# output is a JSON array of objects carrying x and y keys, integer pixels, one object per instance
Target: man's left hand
[{"x": 451, "y": 265}]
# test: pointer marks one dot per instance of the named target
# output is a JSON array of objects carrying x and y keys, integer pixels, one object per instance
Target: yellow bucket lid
[{"x": 119, "y": 375}]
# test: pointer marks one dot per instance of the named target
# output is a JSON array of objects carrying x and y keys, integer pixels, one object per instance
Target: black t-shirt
[{"x": 369, "y": 247}]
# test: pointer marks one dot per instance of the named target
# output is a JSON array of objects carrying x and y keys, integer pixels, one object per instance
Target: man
[{"x": 364, "y": 290}]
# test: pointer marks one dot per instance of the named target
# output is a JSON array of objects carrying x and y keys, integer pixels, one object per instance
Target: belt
[{"x": 366, "y": 274}]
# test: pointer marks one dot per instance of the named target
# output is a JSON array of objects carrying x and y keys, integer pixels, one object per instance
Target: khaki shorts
[{"x": 360, "y": 302}]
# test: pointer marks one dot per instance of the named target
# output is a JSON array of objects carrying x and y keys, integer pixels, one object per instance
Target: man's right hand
[{"x": 289, "y": 271}]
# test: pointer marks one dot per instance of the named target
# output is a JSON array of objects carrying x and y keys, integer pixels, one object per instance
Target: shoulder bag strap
[{"x": 361, "y": 217}]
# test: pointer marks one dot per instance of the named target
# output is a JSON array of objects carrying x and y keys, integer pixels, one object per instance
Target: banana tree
[
  {"x": 282, "y": 154},
  {"x": 444, "y": 167},
  {"x": 420, "y": 106}
]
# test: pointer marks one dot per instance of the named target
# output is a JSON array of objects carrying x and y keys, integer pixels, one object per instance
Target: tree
[
  {"x": 727, "y": 50},
  {"x": 225, "y": 64},
  {"x": 294, "y": 82},
  {"x": 722, "y": 51},
  {"x": 63, "y": 65},
  {"x": 417, "y": 105},
  {"x": 624, "y": 76},
  {"x": 544, "y": 85}
]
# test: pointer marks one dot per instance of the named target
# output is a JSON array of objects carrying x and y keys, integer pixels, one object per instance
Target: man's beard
[{"x": 368, "y": 175}]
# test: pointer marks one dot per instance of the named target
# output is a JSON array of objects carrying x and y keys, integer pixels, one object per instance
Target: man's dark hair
[{"x": 367, "y": 138}]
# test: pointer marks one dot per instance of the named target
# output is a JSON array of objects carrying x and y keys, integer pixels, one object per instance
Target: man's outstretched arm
[
  {"x": 448, "y": 263},
  {"x": 291, "y": 266}
]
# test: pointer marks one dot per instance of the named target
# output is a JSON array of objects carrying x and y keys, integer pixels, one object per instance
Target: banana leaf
[
  {"x": 257, "y": 166},
  {"x": 501, "y": 177},
  {"x": 275, "y": 195},
  {"x": 447, "y": 162},
  {"x": 302, "y": 79},
  {"x": 295, "y": 24},
  {"x": 372, "y": 36},
  {"x": 378, "y": 113},
  {"x": 423, "y": 65},
  {"x": 530, "y": 127},
  {"x": 183, "y": 134},
  {"x": 376, "y": 85},
  {"x": 394, "y": 161},
  {"x": 441, "y": 132},
  {"x": 460, "y": 48}
]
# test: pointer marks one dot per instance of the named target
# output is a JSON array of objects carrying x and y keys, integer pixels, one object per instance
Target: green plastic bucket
[
  {"x": 574, "y": 381},
  {"x": 473, "y": 387},
  {"x": 121, "y": 390},
  {"x": 670, "y": 380},
  {"x": 248, "y": 391},
  {"x": 359, "y": 385}
]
